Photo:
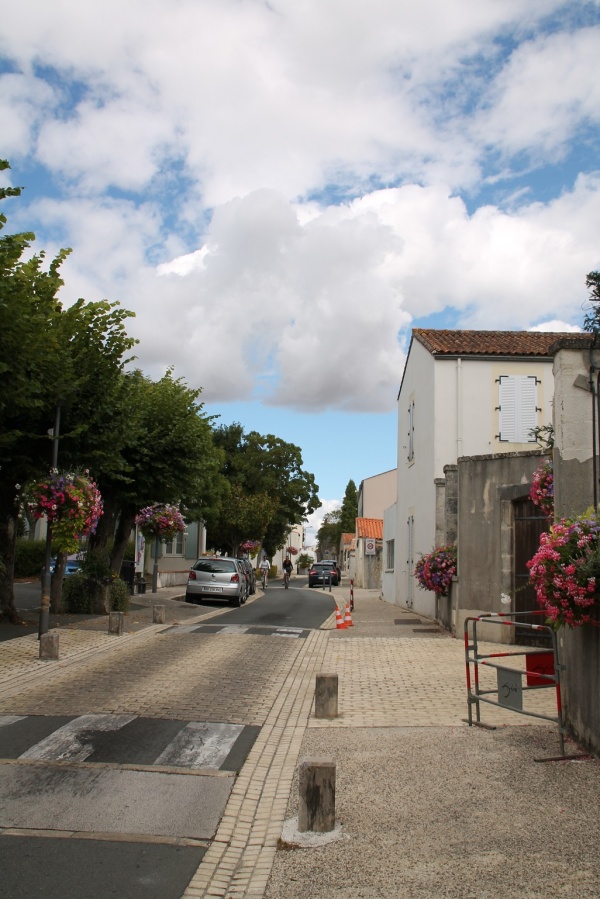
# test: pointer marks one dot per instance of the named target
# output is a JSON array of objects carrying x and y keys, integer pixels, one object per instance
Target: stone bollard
[
  {"x": 326, "y": 696},
  {"x": 158, "y": 614},
  {"x": 316, "y": 811},
  {"x": 115, "y": 623},
  {"x": 49, "y": 647}
]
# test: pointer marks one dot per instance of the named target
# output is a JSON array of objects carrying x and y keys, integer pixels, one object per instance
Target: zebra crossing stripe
[
  {"x": 68, "y": 743},
  {"x": 200, "y": 745}
]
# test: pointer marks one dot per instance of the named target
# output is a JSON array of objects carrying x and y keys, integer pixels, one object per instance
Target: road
[{"x": 114, "y": 776}]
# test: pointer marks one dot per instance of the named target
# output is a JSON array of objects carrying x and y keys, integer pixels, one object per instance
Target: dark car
[
  {"x": 217, "y": 577},
  {"x": 250, "y": 576},
  {"x": 323, "y": 573}
]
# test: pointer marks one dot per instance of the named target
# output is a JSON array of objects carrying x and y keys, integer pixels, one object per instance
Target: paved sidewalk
[{"x": 428, "y": 807}]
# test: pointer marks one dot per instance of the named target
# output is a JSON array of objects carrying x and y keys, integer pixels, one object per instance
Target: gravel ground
[{"x": 449, "y": 812}]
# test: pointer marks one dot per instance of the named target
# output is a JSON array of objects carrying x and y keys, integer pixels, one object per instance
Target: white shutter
[
  {"x": 517, "y": 408},
  {"x": 410, "y": 561}
]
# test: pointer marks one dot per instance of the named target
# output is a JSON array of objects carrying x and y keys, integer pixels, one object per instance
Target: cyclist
[
  {"x": 265, "y": 566},
  {"x": 287, "y": 570}
]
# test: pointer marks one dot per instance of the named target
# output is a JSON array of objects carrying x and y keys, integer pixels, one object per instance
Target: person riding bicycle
[
  {"x": 287, "y": 570},
  {"x": 265, "y": 567}
]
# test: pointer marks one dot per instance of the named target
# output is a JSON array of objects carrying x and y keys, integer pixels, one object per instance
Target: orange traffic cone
[
  {"x": 339, "y": 621},
  {"x": 348, "y": 619}
]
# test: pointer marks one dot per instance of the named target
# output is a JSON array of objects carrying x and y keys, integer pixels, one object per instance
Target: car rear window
[{"x": 215, "y": 566}]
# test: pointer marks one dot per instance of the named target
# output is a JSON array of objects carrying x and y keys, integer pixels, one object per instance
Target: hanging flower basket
[
  {"x": 160, "y": 522},
  {"x": 292, "y": 550},
  {"x": 565, "y": 571},
  {"x": 542, "y": 489},
  {"x": 72, "y": 504},
  {"x": 435, "y": 570},
  {"x": 250, "y": 546}
]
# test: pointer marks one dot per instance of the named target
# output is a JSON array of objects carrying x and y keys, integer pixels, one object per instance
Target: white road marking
[
  {"x": 5, "y": 720},
  {"x": 65, "y": 743},
  {"x": 200, "y": 745}
]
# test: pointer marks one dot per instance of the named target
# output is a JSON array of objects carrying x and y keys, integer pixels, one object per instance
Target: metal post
[
  {"x": 44, "y": 623},
  {"x": 155, "y": 568}
]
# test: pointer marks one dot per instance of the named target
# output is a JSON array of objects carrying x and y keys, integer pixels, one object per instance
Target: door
[{"x": 530, "y": 524}]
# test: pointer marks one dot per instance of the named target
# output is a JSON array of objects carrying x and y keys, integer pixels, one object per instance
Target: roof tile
[
  {"x": 488, "y": 343},
  {"x": 370, "y": 527}
]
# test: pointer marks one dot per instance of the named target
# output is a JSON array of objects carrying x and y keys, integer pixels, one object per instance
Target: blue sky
[{"x": 282, "y": 190}]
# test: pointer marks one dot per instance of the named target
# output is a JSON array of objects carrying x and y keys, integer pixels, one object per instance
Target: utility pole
[{"x": 46, "y": 577}]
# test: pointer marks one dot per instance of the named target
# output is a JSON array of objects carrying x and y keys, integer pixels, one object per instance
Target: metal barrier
[
  {"x": 542, "y": 670},
  {"x": 351, "y": 594}
]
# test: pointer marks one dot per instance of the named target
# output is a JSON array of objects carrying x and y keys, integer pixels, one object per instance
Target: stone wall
[{"x": 574, "y": 493}]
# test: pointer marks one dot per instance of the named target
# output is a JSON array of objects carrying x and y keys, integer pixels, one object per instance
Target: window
[
  {"x": 411, "y": 431},
  {"x": 389, "y": 560},
  {"x": 174, "y": 547},
  {"x": 517, "y": 408}
]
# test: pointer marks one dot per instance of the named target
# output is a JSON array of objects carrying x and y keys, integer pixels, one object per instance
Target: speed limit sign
[{"x": 369, "y": 547}]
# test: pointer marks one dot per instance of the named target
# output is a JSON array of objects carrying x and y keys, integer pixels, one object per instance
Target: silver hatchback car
[{"x": 217, "y": 577}]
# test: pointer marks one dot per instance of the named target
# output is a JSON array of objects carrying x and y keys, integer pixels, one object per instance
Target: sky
[{"x": 282, "y": 189}]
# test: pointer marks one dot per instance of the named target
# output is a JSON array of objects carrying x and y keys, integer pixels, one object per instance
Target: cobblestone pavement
[{"x": 391, "y": 676}]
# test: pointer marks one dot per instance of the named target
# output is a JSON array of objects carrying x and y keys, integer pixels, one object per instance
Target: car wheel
[
  {"x": 236, "y": 601},
  {"x": 189, "y": 598}
]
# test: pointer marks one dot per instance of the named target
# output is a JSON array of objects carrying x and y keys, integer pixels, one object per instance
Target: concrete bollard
[
  {"x": 115, "y": 623},
  {"x": 326, "y": 696},
  {"x": 49, "y": 647},
  {"x": 158, "y": 614},
  {"x": 316, "y": 811}
]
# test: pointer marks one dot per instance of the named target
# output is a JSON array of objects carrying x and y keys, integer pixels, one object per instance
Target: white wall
[
  {"x": 377, "y": 494},
  {"x": 388, "y": 574},
  {"x": 456, "y": 415}
]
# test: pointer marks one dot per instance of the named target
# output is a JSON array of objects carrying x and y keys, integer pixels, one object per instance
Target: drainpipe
[
  {"x": 595, "y": 400},
  {"x": 458, "y": 408}
]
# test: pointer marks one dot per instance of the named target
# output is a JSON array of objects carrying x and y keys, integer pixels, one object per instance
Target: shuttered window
[
  {"x": 411, "y": 432},
  {"x": 517, "y": 408}
]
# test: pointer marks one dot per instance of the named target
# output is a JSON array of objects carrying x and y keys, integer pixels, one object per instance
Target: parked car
[
  {"x": 73, "y": 565},
  {"x": 250, "y": 576},
  {"x": 217, "y": 577},
  {"x": 323, "y": 572}
]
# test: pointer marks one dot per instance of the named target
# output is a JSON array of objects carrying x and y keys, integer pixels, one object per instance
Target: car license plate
[{"x": 212, "y": 589}]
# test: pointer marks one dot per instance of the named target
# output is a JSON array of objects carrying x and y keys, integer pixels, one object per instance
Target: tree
[
  {"x": 349, "y": 510},
  {"x": 328, "y": 534},
  {"x": 166, "y": 454},
  {"x": 43, "y": 353},
  {"x": 591, "y": 321},
  {"x": 269, "y": 466}
]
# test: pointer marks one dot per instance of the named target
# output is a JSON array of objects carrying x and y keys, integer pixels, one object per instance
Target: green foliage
[
  {"x": 304, "y": 560},
  {"x": 119, "y": 596},
  {"x": 96, "y": 565},
  {"x": 30, "y": 556},
  {"x": 328, "y": 535},
  {"x": 591, "y": 321},
  {"x": 256, "y": 465},
  {"x": 80, "y": 594}
]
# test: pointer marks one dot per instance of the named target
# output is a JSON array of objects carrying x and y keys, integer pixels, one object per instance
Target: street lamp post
[
  {"x": 46, "y": 577},
  {"x": 155, "y": 568}
]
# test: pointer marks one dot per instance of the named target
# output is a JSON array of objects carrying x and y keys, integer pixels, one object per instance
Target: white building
[{"x": 463, "y": 393}]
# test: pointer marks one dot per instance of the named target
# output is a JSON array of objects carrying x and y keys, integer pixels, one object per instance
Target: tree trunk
[
  {"x": 8, "y": 542},
  {"x": 57, "y": 582},
  {"x": 124, "y": 528},
  {"x": 106, "y": 526}
]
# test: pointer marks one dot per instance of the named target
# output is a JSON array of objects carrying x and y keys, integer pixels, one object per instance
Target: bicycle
[
  {"x": 264, "y": 578},
  {"x": 286, "y": 579}
]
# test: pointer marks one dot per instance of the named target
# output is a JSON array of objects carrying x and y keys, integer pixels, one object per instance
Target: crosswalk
[
  {"x": 251, "y": 630},
  {"x": 126, "y": 740}
]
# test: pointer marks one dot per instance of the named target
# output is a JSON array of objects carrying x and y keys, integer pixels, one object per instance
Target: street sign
[{"x": 369, "y": 547}]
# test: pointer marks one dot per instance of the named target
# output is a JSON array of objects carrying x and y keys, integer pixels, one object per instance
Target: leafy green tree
[
  {"x": 265, "y": 465},
  {"x": 591, "y": 321},
  {"x": 349, "y": 510},
  {"x": 243, "y": 517},
  {"x": 166, "y": 454},
  {"x": 328, "y": 540},
  {"x": 47, "y": 357}
]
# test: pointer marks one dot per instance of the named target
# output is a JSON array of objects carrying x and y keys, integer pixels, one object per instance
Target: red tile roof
[
  {"x": 370, "y": 527},
  {"x": 487, "y": 343},
  {"x": 347, "y": 539}
]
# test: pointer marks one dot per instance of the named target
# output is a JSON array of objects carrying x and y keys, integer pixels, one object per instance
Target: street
[{"x": 103, "y": 760}]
